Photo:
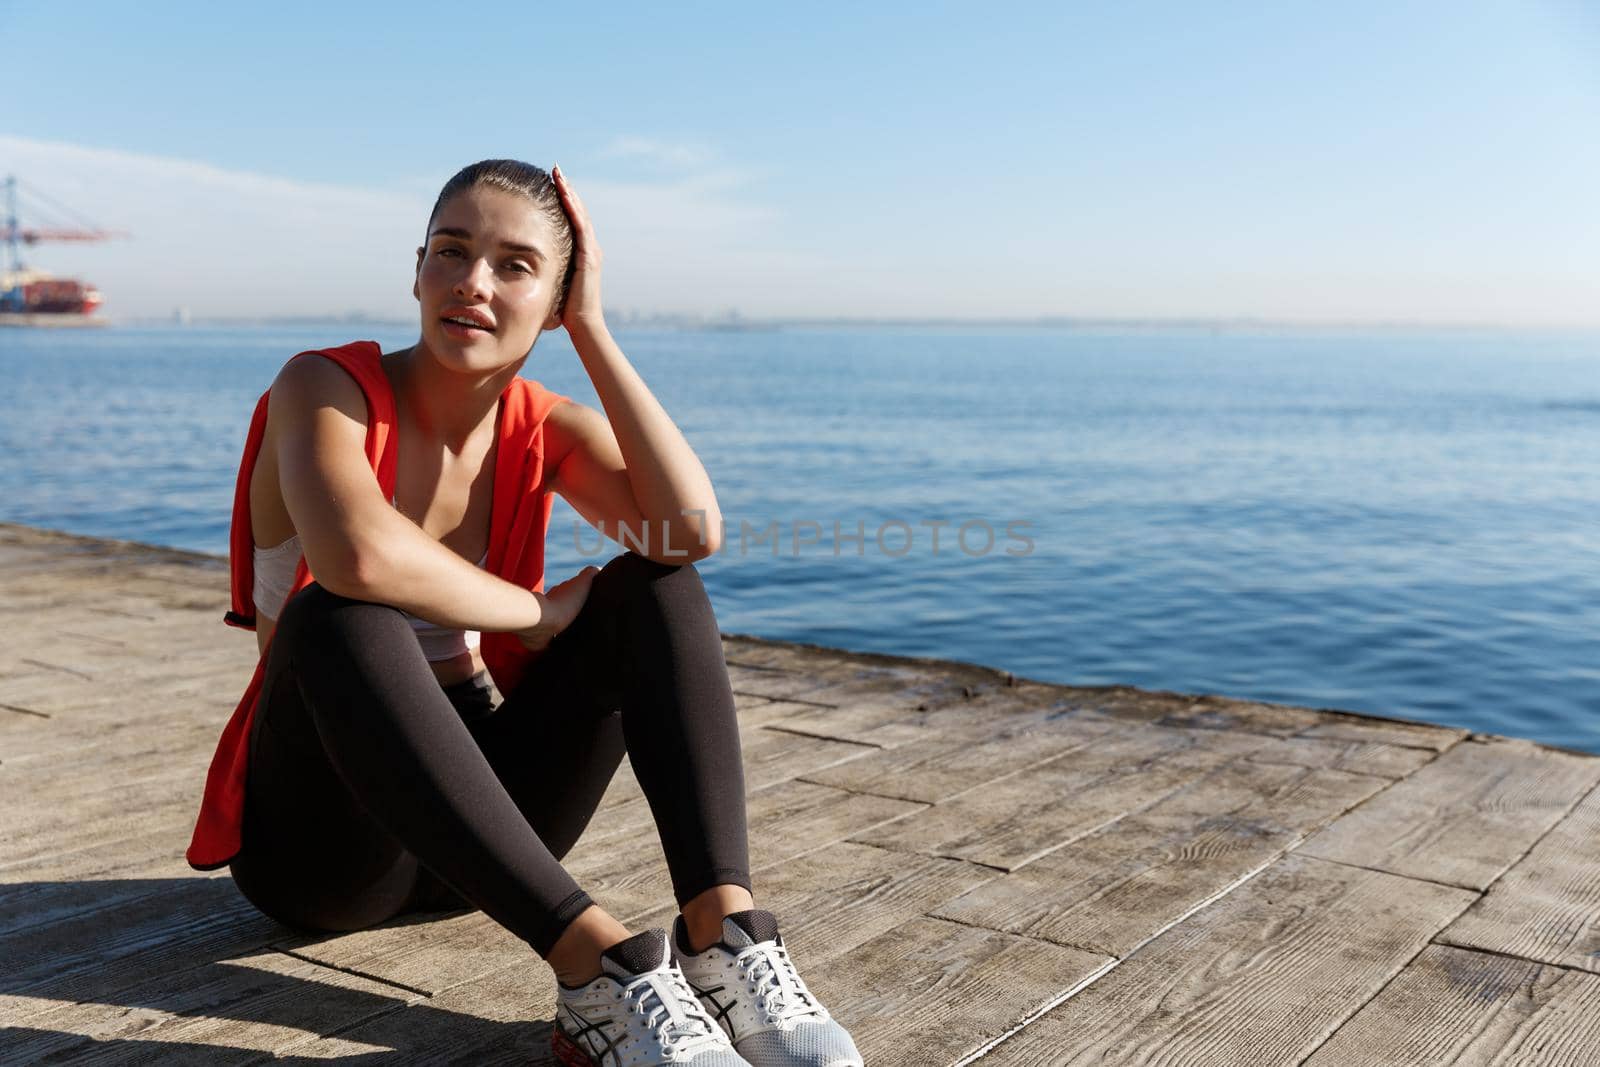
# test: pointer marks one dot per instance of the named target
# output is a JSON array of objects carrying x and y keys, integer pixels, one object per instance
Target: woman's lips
[{"x": 456, "y": 329}]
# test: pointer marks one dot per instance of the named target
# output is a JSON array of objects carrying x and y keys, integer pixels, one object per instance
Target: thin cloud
[
  {"x": 219, "y": 241},
  {"x": 680, "y": 156}
]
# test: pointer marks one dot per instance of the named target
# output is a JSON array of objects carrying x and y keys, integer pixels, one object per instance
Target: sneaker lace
[
  {"x": 781, "y": 993},
  {"x": 693, "y": 1026}
]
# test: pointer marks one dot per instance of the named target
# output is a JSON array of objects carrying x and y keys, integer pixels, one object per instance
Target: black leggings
[{"x": 373, "y": 791}]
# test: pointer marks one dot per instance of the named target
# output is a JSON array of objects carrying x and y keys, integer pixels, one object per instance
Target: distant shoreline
[{"x": 688, "y": 323}]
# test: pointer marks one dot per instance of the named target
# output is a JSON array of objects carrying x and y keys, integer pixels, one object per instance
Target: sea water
[{"x": 1395, "y": 522}]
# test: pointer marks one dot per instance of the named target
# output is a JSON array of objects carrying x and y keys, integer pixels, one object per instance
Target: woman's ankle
[
  {"x": 703, "y": 915},
  {"x": 575, "y": 957}
]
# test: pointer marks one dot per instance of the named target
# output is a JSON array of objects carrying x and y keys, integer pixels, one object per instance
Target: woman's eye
[
  {"x": 519, "y": 265},
  {"x": 448, "y": 252}
]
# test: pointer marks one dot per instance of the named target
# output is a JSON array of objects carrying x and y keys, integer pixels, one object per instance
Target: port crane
[{"x": 34, "y": 297}]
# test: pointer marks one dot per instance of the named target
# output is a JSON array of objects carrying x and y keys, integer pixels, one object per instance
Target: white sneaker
[
  {"x": 748, "y": 984},
  {"x": 639, "y": 1012}
]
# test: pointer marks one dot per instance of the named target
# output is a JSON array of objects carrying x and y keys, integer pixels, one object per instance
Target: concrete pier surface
[{"x": 967, "y": 866}]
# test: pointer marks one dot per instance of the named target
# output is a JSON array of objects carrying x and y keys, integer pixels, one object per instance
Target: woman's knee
[
  {"x": 320, "y": 619},
  {"x": 657, "y": 613},
  {"x": 630, "y": 576}
]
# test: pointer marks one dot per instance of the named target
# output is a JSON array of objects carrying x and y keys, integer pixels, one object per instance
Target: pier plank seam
[
  {"x": 818, "y": 733},
  {"x": 1480, "y": 950},
  {"x": 416, "y": 991},
  {"x": 1408, "y": 877},
  {"x": 20, "y": 710}
]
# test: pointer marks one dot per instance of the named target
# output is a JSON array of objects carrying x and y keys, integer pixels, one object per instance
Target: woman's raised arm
[{"x": 629, "y": 468}]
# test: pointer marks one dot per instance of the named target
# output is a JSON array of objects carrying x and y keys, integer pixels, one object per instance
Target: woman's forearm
[
  {"x": 669, "y": 483},
  {"x": 396, "y": 563}
]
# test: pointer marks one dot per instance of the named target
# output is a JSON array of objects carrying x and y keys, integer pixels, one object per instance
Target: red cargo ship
[{"x": 30, "y": 297}]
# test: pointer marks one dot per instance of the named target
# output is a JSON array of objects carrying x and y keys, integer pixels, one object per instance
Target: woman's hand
[
  {"x": 582, "y": 309},
  {"x": 561, "y": 607}
]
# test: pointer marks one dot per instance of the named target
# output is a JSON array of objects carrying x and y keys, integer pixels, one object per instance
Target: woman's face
[{"x": 490, "y": 259}]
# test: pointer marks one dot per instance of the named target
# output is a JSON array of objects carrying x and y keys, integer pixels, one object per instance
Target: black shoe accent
[
  {"x": 718, "y": 1010},
  {"x": 760, "y": 925},
  {"x": 601, "y": 1044},
  {"x": 642, "y": 952}
]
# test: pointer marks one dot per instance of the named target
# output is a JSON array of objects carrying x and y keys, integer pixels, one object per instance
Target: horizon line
[{"x": 734, "y": 322}]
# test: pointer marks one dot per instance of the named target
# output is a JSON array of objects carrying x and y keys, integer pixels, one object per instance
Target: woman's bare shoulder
[{"x": 310, "y": 381}]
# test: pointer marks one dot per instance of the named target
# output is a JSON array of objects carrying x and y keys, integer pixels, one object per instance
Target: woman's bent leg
[
  {"x": 312, "y": 857},
  {"x": 392, "y": 740},
  {"x": 642, "y": 663}
]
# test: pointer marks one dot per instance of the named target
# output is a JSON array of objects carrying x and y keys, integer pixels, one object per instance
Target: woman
[{"x": 383, "y": 776}]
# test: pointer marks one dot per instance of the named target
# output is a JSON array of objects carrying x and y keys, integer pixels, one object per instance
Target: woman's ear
[
  {"x": 553, "y": 320},
  {"x": 416, "y": 281}
]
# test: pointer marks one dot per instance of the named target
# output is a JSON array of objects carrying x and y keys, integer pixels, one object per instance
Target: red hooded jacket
[{"x": 518, "y": 519}]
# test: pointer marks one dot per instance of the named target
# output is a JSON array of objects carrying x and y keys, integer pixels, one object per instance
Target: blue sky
[{"x": 1415, "y": 161}]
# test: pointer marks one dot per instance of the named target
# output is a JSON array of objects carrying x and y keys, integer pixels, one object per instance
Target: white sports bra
[{"x": 274, "y": 570}]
